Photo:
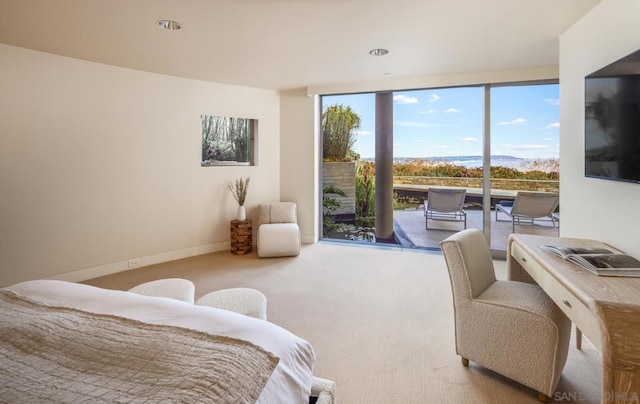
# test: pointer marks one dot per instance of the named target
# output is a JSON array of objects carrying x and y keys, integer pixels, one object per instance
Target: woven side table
[{"x": 241, "y": 237}]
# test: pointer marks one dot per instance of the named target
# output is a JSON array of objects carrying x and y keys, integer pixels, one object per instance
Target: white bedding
[{"x": 291, "y": 380}]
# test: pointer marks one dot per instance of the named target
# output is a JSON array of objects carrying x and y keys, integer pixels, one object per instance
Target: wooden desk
[{"x": 605, "y": 309}]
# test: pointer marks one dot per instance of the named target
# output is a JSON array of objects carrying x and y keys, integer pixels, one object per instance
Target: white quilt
[{"x": 289, "y": 383}]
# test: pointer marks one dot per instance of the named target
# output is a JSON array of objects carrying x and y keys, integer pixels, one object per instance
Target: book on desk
[{"x": 600, "y": 261}]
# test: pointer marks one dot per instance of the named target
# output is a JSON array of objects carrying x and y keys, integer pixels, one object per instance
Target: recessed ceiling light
[
  {"x": 378, "y": 52},
  {"x": 170, "y": 25}
]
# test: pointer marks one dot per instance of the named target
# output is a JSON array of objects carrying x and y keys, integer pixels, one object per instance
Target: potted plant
[{"x": 239, "y": 191}]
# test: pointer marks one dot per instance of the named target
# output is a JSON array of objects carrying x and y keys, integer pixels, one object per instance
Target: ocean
[{"x": 476, "y": 161}]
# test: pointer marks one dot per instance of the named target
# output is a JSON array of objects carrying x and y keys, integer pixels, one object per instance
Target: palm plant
[{"x": 339, "y": 125}]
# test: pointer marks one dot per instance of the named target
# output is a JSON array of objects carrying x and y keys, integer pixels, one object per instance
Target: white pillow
[{"x": 279, "y": 212}]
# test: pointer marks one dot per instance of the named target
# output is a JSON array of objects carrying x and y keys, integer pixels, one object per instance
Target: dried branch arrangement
[{"x": 239, "y": 190}]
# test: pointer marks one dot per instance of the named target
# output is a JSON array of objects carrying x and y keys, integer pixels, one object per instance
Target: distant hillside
[{"x": 452, "y": 159}]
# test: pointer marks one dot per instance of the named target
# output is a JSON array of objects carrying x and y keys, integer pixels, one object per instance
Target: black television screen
[{"x": 612, "y": 121}]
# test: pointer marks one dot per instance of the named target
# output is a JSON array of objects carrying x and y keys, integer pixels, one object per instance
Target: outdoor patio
[{"x": 410, "y": 227}]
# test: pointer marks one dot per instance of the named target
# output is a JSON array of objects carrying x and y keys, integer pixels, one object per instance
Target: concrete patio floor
[{"x": 410, "y": 227}]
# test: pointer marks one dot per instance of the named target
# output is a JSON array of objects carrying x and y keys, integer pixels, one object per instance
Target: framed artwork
[{"x": 228, "y": 141}]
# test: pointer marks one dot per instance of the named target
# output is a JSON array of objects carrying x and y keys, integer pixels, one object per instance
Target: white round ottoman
[
  {"x": 249, "y": 302},
  {"x": 174, "y": 288}
]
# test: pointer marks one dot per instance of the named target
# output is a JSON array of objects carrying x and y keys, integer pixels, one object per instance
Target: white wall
[
  {"x": 299, "y": 163},
  {"x": 100, "y": 164},
  {"x": 593, "y": 208}
]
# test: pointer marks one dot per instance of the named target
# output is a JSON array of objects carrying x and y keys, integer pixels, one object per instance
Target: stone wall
[{"x": 342, "y": 175}]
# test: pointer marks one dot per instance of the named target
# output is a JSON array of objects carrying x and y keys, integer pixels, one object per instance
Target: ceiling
[{"x": 287, "y": 44}]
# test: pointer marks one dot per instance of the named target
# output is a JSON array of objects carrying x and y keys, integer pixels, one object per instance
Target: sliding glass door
[
  {"x": 502, "y": 139},
  {"x": 524, "y": 157},
  {"x": 438, "y": 145}
]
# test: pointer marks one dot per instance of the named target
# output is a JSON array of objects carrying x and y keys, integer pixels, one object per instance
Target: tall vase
[{"x": 242, "y": 213}]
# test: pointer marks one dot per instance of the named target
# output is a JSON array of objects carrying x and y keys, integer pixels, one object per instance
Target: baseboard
[
  {"x": 308, "y": 239},
  {"x": 119, "y": 266}
]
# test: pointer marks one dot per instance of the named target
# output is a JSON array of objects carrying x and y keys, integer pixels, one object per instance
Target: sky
[{"x": 449, "y": 121}]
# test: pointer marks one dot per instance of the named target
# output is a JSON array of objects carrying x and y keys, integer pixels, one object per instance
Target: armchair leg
[
  {"x": 541, "y": 396},
  {"x": 578, "y": 338}
]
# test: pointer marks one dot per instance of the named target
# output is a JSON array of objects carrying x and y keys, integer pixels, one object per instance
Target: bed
[{"x": 284, "y": 360}]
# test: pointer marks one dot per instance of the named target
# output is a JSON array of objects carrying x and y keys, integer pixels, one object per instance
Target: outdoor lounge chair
[
  {"x": 530, "y": 206},
  {"x": 445, "y": 204}
]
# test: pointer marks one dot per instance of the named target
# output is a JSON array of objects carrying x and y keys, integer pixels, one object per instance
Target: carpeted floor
[{"x": 380, "y": 321}]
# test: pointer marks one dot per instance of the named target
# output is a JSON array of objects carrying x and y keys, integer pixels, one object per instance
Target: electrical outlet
[{"x": 132, "y": 263}]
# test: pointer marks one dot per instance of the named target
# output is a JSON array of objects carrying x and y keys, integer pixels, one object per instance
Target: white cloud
[
  {"x": 441, "y": 146},
  {"x": 517, "y": 121},
  {"x": 452, "y": 110},
  {"x": 363, "y": 133},
  {"x": 553, "y": 125},
  {"x": 403, "y": 99},
  {"x": 429, "y": 111},
  {"x": 434, "y": 98},
  {"x": 552, "y": 101},
  {"x": 469, "y": 139}
]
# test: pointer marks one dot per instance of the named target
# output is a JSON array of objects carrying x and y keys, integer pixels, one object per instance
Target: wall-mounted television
[{"x": 612, "y": 121}]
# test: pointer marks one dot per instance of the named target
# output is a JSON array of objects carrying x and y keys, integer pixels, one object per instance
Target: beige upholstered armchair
[
  {"x": 510, "y": 327},
  {"x": 278, "y": 231}
]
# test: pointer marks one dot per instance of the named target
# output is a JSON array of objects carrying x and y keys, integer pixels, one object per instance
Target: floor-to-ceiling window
[
  {"x": 348, "y": 123},
  {"x": 439, "y": 141},
  {"x": 525, "y": 130}
]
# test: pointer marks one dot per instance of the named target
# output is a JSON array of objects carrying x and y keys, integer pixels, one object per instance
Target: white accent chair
[
  {"x": 324, "y": 390},
  {"x": 278, "y": 231},
  {"x": 249, "y": 302},
  {"x": 512, "y": 328},
  {"x": 173, "y": 288}
]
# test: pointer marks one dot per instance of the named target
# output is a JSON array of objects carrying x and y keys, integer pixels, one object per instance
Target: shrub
[
  {"x": 533, "y": 170},
  {"x": 329, "y": 204},
  {"x": 365, "y": 190}
]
